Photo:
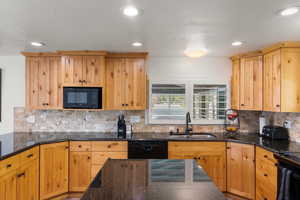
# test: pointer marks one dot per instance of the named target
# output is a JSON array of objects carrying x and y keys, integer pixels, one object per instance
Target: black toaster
[{"x": 275, "y": 132}]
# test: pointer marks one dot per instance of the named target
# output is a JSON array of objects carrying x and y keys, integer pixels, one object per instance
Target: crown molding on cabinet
[{"x": 286, "y": 44}]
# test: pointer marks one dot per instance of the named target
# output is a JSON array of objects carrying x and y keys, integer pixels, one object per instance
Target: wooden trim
[
  {"x": 287, "y": 44},
  {"x": 39, "y": 54},
  {"x": 247, "y": 55},
  {"x": 83, "y": 53},
  {"x": 127, "y": 55}
]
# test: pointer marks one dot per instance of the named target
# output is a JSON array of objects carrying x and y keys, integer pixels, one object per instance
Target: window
[{"x": 169, "y": 103}]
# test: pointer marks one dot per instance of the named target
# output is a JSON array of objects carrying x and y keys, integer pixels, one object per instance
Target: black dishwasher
[{"x": 147, "y": 149}]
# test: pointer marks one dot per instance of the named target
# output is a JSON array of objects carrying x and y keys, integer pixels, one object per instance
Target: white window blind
[
  {"x": 209, "y": 102},
  {"x": 168, "y": 102}
]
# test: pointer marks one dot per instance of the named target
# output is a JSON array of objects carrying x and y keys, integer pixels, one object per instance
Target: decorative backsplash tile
[{"x": 106, "y": 121}]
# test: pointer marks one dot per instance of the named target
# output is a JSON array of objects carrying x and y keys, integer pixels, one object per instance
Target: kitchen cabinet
[
  {"x": 251, "y": 83},
  {"x": 235, "y": 84},
  {"x": 126, "y": 83},
  {"x": 54, "y": 167},
  {"x": 83, "y": 70},
  {"x": 241, "y": 170},
  {"x": 266, "y": 175},
  {"x": 8, "y": 186},
  {"x": 43, "y": 82},
  {"x": 281, "y": 79},
  {"x": 210, "y": 155}
]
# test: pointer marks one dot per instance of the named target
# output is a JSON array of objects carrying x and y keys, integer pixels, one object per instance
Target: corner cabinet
[
  {"x": 54, "y": 168},
  {"x": 241, "y": 170},
  {"x": 281, "y": 80},
  {"x": 126, "y": 83},
  {"x": 43, "y": 82}
]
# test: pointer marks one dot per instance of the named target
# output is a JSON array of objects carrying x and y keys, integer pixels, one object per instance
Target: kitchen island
[{"x": 152, "y": 179}]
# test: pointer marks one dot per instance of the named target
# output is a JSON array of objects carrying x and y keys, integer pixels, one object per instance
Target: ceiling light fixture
[
  {"x": 37, "y": 44},
  {"x": 195, "y": 53},
  {"x": 289, "y": 11},
  {"x": 137, "y": 44},
  {"x": 237, "y": 43},
  {"x": 130, "y": 11}
]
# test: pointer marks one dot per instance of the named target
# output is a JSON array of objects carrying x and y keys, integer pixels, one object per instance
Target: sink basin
[{"x": 204, "y": 136}]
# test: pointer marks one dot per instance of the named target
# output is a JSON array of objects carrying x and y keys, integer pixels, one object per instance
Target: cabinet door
[
  {"x": 32, "y": 82},
  {"x": 115, "y": 68},
  {"x": 8, "y": 186},
  {"x": 80, "y": 163},
  {"x": 94, "y": 71},
  {"x": 240, "y": 170},
  {"x": 272, "y": 81},
  {"x": 135, "y": 84},
  {"x": 53, "y": 169},
  {"x": 28, "y": 181},
  {"x": 251, "y": 83},
  {"x": 72, "y": 70},
  {"x": 235, "y": 84}
]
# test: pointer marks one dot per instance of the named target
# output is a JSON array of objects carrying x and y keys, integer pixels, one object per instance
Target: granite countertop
[
  {"x": 23, "y": 141},
  {"x": 152, "y": 179}
]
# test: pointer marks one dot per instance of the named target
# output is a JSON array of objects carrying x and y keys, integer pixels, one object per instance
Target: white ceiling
[{"x": 166, "y": 27}]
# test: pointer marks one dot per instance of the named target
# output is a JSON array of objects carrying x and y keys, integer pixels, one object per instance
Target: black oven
[{"x": 82, "y": 97}]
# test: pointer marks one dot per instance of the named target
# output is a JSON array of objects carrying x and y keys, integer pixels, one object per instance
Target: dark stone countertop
[
  {"x": 152, "y": 180},
  {"x": 24, "y": 141}
]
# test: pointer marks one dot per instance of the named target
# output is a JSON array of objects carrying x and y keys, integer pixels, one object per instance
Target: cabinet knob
[
  {"x": 79, "y": 146},
  {"x": 20, "y": 175},
  {"x": 30, "y": 155},
  {"x": 277, "y": 106},
  {"x": 66, "y": 147},
  {"x": 8, "y": 166},
  {"x": 126, "y": 104},
  {"x": 265, "y": 175},
  {"x": 242, "y": 104},
  {"x": 123, "y": 104}
]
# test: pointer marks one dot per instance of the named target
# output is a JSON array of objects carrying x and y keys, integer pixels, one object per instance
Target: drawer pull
[
  {"x": 79, "y": 146},
  {"x": 88, "y": 157},
  {"x": 30, "y": 155},
  {"x": 265, "y": 156},
  {"x": 265, "y": 175},
  {"x": 66, "y": 147},
  {"x": 20, "y": 175},
  {"x": 8, "y": 166}
]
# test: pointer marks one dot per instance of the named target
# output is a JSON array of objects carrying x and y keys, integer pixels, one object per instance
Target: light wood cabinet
[
  {"x": 251, "y": 83},
  {"x": 241, "y": 170},
  {"x": 43, "y": 82},
  {"x": 54, "y": 167},
  {"x": 235, "y": 84},
  {"x": 210, "y": 155},
  {"x": 266, "y": 175},
  {"x": 126, "y": 83},
  {"x": 8, "y": 186},
  {"x": 281, "y": 80},
  {"x": 79, "y": 70}
]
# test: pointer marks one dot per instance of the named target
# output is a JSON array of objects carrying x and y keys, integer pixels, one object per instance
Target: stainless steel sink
[{"x": 204, "y": 136}]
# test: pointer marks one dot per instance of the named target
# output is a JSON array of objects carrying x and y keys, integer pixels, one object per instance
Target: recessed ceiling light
[
  {"x": 289, "y": 11},
  {"x": 137, "y": 44},
  {"x": 130, "y": 11},
  {"x": 237, "y": 43},
  {"x": 195, "y": 53},
  {"x": 37, "y": 44}
]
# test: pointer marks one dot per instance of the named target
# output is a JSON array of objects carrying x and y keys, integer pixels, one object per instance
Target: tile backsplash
[{"x": 105, "y": 121}]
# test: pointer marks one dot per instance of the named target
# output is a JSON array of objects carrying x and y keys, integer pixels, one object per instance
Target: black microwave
[{"x": 82, "y": 97}]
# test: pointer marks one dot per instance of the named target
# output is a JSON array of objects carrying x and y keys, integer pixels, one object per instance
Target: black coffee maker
[{"x": 121, "y": 127}]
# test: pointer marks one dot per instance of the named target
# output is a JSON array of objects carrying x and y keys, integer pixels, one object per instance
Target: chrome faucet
[{"x": 187, "y": 121}]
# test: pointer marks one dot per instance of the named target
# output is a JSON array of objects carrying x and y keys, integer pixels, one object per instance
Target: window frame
[{"x": 189, "y": 93}]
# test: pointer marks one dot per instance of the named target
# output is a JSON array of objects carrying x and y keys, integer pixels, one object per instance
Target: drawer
[
  {"x": 207, "y": 148},
  {"x": 265, "y": 155},
  {"x": 109, "y": 146},
  {"x": 80, "y": 146},
  {"x": 9, "y": 164},
  {"x": 29, "y": 155},
  {"x": 101, "y": 157}
]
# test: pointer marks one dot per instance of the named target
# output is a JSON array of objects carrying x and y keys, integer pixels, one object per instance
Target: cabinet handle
[
  {"x": 123, "y": 104},
  {"x": 242, "y": 104},
  {"x": 277, "y": 106},
  {"x": 126, "y": 104},
  {"x": 30, "y": 155},
  {"x": 79, "y": 146},
  {"x": 265, "y": 175},
  {"x": 8, "y": 166},
  {"x": 66, "y": 147},
  {"x": 88, "y": 157},
  {"x": 265, "y": 156},
  {"x": 20, "y": 175}
]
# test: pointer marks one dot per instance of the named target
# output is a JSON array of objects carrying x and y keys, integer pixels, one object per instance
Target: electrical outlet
[{"x": 287, "y": 124}]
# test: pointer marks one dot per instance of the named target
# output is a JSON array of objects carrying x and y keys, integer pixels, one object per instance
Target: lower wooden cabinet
[
  {"x": 54, "y": 167},
  {"x": 241, "y": 170},
  {"x": 80, "y": 163},
  {"x": 210, "y": 155},
  {"x": 266, "y": 175},
  {"x": 8, "y": 186}
]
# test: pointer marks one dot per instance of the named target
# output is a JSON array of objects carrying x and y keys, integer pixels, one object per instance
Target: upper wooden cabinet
[
  {"x": 81, "y": 70},
  {"x": 241, "y": 170},
  {"x": 43, "y": 82},
  {"x": 281, "y": 80},
  {"x": 235, "y": 84},
  {"x": 125, "y": 83},
  {"x": 251, "y": 83}
]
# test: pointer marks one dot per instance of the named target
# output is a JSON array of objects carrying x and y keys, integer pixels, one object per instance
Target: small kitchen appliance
[
  {"x": 275, "y": 132},
  {"x": 232, "y": 122},
  {"x": 121, "y": 127}
]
